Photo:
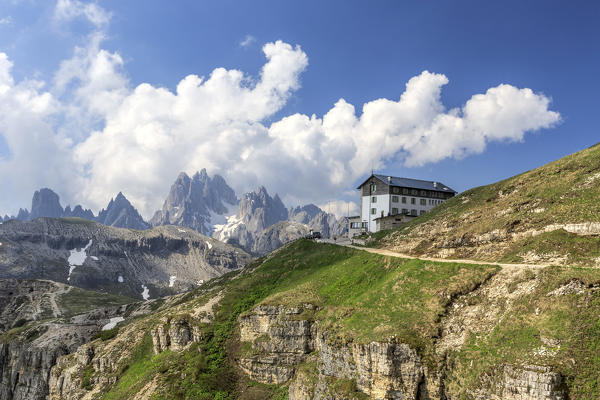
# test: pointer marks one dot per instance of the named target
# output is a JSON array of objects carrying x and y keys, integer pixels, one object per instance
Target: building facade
[
  {"x": 382, "y": 196},
  {"x": 355, "y": 226}
]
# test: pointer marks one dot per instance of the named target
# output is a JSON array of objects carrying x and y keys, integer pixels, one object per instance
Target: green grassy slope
[
  {"x": 364, "y": 297},
  {"x": 566, "y": 191}
]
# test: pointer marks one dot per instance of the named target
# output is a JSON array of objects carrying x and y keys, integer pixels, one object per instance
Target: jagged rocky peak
[
  {"x": 79, "y": 212},
  {"x": 121, "y": 214},
  {"x": 23, "y": 215},
  {"x": 258, "y": 210},
  {"x": 304, "y": 214},
  {"x": 198, "y": 203},
  {"x": 45, "y": 203}
]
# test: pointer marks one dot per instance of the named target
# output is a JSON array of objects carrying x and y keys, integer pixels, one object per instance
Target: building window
[
  {"x": 373, "y": 211},
  {"x": 414, "y": 192},
  {"x": 403, "y": 200},
  {"x": 423, "y": 193},
  {"x": 423, "y": 212},
  {"x": 423, "y": 202},
  {"x": 364, "y": 225},
  {"x": 373, "y": 199},
  {"x": 413, "y": 212},
  {"x": 373, "y": 188},
  {"x": 405, "y": 211},
  {"x": 394, "y": 211},
  {"x": 396, "y": 190},
  {"x": 404, "y": 191},
  {"x": 354, "y": 225},
  {"x": 394, "y": 199},
  {"x": 412, "y": 200}
]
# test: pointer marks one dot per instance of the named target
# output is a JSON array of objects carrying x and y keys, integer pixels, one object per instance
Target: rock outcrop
[
  {"x": 174, "y": 334},
  {"x": 284, "y": 339},
  {"x": 28, "y": 355},
  {"x": 532, "y": 382}
]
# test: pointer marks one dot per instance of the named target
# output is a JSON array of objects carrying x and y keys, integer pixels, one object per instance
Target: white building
[{"x": 382, "y": 195}]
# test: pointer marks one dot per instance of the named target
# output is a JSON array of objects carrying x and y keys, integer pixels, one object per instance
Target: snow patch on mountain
[
  {"x": 145, "y": 292},
  {"x": 77, "y": 258}
]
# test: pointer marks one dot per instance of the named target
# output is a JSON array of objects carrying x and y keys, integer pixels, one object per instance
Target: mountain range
[{"x": 208, "y": 206}]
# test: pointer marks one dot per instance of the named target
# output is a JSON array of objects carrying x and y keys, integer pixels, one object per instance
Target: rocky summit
[
  {"x": 121, "y": 214},
  {"x": 197, "y": 203}
]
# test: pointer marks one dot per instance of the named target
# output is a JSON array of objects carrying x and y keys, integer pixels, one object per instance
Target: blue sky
[{"x": 358, "y": 51}]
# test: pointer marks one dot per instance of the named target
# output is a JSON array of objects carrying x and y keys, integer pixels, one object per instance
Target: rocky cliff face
[
  {"x": 28, "y": 353},
  {"x": 121, "y": 214},
  {"x": 140, "y": 264},
  {"x": 198, "y": 203},
  {"x": 288, "y": 347}
]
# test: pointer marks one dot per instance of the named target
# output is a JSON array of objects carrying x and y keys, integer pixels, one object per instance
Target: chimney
[
  {"x": 435, "y": 184},
  {"x": 389, "y": 179}
]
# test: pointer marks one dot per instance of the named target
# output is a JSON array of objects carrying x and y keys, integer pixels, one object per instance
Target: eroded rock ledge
[{"x": 286, "y": 346}]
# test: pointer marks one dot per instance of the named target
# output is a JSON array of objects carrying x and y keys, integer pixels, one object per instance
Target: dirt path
[
  {"x": 390, "y": 253},
  {"x": 206, "y": 311},
  {"x": 52, "y": 296}
]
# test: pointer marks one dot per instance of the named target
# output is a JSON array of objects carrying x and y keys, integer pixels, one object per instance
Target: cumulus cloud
[
  {"x": 90, "y": 134},
  {"x": 66, "y": 10},
  {"x": 6, "y": 20},
  {"x": 247, "y": 41}
]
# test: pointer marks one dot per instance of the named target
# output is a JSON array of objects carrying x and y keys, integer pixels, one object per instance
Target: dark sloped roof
[{"x": 411, "y": 183}]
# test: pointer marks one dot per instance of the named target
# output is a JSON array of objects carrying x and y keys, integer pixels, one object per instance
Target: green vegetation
[
  {"x": 562, "y": 332},
  {"x": 365, "y": 297},
  {"x": 78, "y": 301},
  {"x": 362, "y": 296},
  {"x": 107, "y": 334}
]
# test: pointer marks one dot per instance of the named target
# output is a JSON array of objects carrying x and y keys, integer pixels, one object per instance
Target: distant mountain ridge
[
  {"x": 46, "y": 203},
  {"x": 208, "y": 206}
]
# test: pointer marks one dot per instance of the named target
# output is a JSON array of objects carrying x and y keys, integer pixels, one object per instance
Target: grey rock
[
  {"x": 79, "y": 212},
  {"x": 40, "y": 249},
  {"x": 121, "y": 214},
  {"x": 45, "y": 203},
  {"x": 256, "y": 212},
  {"x": 23, "y": 215},
  {"x": 196, "y": 202},
  {"x": 277, "y": 235}
]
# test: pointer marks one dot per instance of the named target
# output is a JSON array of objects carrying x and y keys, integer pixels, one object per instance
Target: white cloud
[
  {"x": 67, "y": 10},
  {"x": 6, "y": 20},
  {"x": 340, "y": 208},
  {"x": 247, "y": 41},
  {"x": 138, "y": 139}
]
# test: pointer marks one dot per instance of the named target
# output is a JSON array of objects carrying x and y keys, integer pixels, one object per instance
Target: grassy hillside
[
  {"x": 362, "y": 297},
  {"x": 511, "y": 220}
]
